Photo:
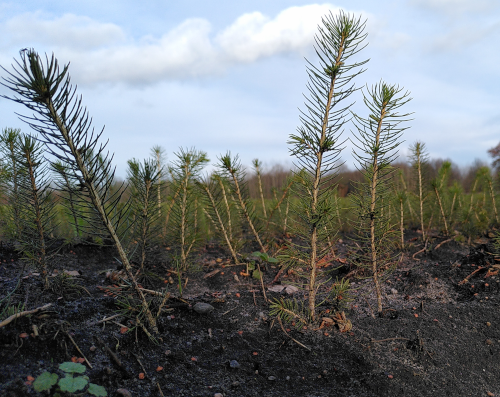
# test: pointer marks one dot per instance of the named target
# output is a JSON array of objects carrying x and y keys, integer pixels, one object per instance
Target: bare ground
[{"x": 437, "y": 337}]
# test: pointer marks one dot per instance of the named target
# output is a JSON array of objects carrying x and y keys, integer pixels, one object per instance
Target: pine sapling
[
  {"x": 377, "y": 139},
  {"x": 65, "y": 126},
  {"x": 316, "y": 146},
  {"x": 419, "y": 160}
]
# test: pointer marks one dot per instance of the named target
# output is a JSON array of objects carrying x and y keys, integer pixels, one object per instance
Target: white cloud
[
  {"x": 253, "y": 36},
  {"x": 77, "y": 32},
  {"x": 184, "y": 51},
  {"x": 102, "y": 52},
  {"x": 456, "y": 7}
]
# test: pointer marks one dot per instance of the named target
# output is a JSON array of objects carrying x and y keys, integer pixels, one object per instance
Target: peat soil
[{"x": 439, "y": 336}]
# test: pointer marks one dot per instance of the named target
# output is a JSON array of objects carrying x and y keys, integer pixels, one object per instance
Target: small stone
[
  {"x": 489, "y": 342},
  {"x": 123, "y": 393},
  {"x": 92, "y": 348},
  {"x": 490, "y": 394},
  {"x": 287, "y": 378},
  {"x": 234, "y": 364},
  {"x": 272, "y": 378},
  {"x": 488, "y": 324},
  {"x": 394, "y": 291},
  {"x": 203, "y": 308},
  {"x": 218, "y": 395},
  {"x": 235, "y": 384}
]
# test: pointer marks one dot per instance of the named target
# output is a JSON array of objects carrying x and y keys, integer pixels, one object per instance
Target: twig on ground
[
  {"x": 422, "y": 250},
  {"x": 466, "y": 279},
  {"x": 8, "y": 320},
  {"x": 280, "y": 272},
  {"x": 295, "y": 340},
  {"x": 106, "y": 319},
  {"x": 159, "y": 388},
  {"x": 444, "y": 242},
  {"x": 77, "y": 348},
  {"x": 142, "y": 366},
  {"x": 230, "y": 310},
  {"x": 112, "y": 355}
]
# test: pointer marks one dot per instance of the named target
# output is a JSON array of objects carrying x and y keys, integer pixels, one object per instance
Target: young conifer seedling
[
  {"x": 184, "y": 223},
  {"x": 377, "y": 139},
  {"x": 65, "y": 127},
  {"x": 9, "y": 138},
  {"x": 316, "y": 146},
  {"x": 216, "y": 211},
  {"x": 36, "y": 206},
  {"x": 419, "y": 157},
  {"x": 144, "y": 181}
]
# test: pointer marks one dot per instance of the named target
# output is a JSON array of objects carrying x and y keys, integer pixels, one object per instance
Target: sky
[{"x": 230, "y": 75}]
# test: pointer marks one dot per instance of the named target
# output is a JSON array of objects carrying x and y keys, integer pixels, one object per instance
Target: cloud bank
[{"x": 102, "y": 52}]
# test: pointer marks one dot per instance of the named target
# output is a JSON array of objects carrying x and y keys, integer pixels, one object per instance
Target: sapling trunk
[
  {"x": 232, "y": 167},
  {"x": 493, "y": 202},
  {"x": 438, "y": 196},
  {"x": 401, "y": 221},
  {"x": 207, "y": 188},
  {"x": 419, "y": 158},
  {"x": 61, "y": 170},
  {"x": 228, "y": 209},
  {"x": 257, "y": 164}
]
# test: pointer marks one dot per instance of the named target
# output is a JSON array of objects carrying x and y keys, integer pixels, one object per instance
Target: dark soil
[{"x": 437, "y": 336}]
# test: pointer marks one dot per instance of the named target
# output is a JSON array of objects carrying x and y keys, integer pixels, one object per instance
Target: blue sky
[{"x": 230, "y": 75}]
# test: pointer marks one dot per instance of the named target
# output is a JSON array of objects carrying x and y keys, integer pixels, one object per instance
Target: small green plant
[
  {"x": 144, "y": 184},
  {"x": 340, "y": 294},
  {"x": 419, "y": 158},
  {"x": 69, "y": 383},
  {"x": 377, "y": 139},
  {"x": 317, "y": 145},
  {"x": 255, "y": 259},
  {"x": 184, "y": 229}
]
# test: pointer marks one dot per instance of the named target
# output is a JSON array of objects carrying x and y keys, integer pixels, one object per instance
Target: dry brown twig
[
  {"x": 8, "y": 320},
  {"x": 422, "y": 250},
  {"x": 295, "y": 340},
  {"x": 466, "y": 279},
  {"x": 77, "y": 348}
]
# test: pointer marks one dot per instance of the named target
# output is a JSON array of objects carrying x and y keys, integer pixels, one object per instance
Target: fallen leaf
[
  {"x": 158, "y": 369},
  {"x": 238, "y": 295},
  {"x": 24, "y": 335},
  {"x": 141, "y": 375},
  {"x": 80, "y": 360},
  {"x": 255, "y": 353},
  {"x": 194, "y": 359},
  {"x": 74, "y": 359},
  {"x": 276, "y": 288},
  {"x": 123, "y": 330}
]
